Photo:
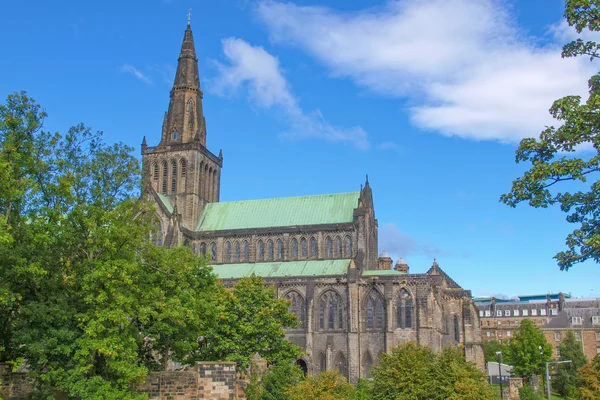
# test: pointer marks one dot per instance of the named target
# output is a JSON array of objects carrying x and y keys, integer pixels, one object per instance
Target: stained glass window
[
  {"x": 237, "y": 251},
  {"x": 228, "y": 252},
  {"x": 261, "y": 250},
  {"x": 213, "y": 251},
  {"x": 314, "y": 250},
  {"x": 279, "y": 249},
  {"x": 404, "y": 310},
  {"x": 270, "y": 250},
  {"x": 304, "y": 246},
  {"x": 329, "y": 247},
  {"x": 294, "y": 249},
  {"x": 348, "y": 247}
]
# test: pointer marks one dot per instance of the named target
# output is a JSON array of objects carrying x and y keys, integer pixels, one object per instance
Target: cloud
[
  {"x": 395, "y": 242},
  {"x": 467, "y": 70},
  {"x": 130, "y": 69},
  {"x": 257, "y": 71},
  {"x": 390, "y": 146}
]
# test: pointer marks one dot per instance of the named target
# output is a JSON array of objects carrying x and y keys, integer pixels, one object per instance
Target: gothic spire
[{"x": 187, "y": 66}]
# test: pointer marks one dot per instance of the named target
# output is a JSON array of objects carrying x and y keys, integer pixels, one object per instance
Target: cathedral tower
[{"x": 181, "y": 171}]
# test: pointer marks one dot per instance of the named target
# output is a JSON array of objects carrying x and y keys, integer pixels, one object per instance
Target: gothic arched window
[
  {"x": 183, "y": 165},
  {"x": 338, "y": 247},
  {"x": 404, "y": 310},
  {"x": 304, "y": 248},
  {"x": 213, "y": 252},
  {"x": 340, "y": 364},
  {"x": 456, "y": 329},
  {"x": 203, "y": 249},
  {"x": 322, "y": 362},
  {"x": 297, "y": 307},
  {"x": 279, "y": 249},
  {"x": 155, "y": 171},
  {"x": 173, "y": 176},
  {"x": 314, "y": 250},
  {"x": 270, "y": 250},
  {"x": 246, "y": 251},
  {"x": 228, "y": 252},
  {"x": 165, "y": 178},
  {"x": 174, "y": 134},
  {"x": 368, "y": 365},
  {"x": 375, "y": 311},
  {"x": 348, "y": 247},
  {"x": 261, "y": 250},
  {"x": 237, "y": 251},
  {"x": 329, "y": 247},
  {"x": 294, "y": 249},
  {"x": 331, "y": 311}
]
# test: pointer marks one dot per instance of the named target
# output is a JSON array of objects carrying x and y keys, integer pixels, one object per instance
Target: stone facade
[{"x": 347, "y": 319}]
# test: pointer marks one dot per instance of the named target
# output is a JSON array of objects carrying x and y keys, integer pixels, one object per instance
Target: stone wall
[{"x": 208, "y": 380}]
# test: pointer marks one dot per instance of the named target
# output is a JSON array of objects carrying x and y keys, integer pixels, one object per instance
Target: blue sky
[{"x": 429, "y": 98}]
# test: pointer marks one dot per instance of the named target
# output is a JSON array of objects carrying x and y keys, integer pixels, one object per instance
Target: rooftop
[{"x": 282, "y": 269}]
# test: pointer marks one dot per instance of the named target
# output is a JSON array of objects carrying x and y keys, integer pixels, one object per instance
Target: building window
[
  {"x": 314, "y": 250},
  {"x": 515, "y": 313},
  {"x": 576, "y": 320},
  {"x": 279, "y": 249},
  {"x": 246, "y": 251},
  {"x": 598, "y": 336},
  {"x": 213, "y": 252},
  {"x": 331, "y": 311},
  {"x": 480, "y": 313},
  {"x": 507, "y": 313},
  {"x": 554, "y": 311},
  {"x": 173, "y": 176},
  {"x": 338, "y": 247},
  {"x": 375, "y": 311},
  {"x": 488, "y": 313},
  {"x": 498, "y": 313},
  {"x": 456, "y": 329},
  {"x": 369, "y": 364},
  {"x": 322, "y": 363},
  {"x": 329, "y": 247},
  {"x": 557, "y": 336},
  {"x": 543, "y": 311},
  {"x": 270, "y": 250},
  {"x": 597, "y": 349},
  {"x": 174, "y": 135},
  {"x": 183, "y": 165},
  {"x": 596, "y": 319},
  {"x": 297, "y": 307},
  {"x": 525, "y": 313},
  {"x": 155, "y": 171},
  {"x": 499, "y": 334},
  {"x": 508, "y": 333},
  {"x": 404, "y": 309},
  {"x": 578, "y": 335},
  {"x": 261, "y": 250},
  {"x": 228, "y": 252},
  {"x": 165, "y": 178},
  {"x": 534, "y": 312},
  {"x": 488, "y": 333},
  {"x": 340, "y": 364},
  {"x": 203, "y": 249},
  {"x": 304, "y": 248},
  {"x": 348, "y": 247},
  {"x": 237, "y": 251},
  {"x": 294, "y": 249}
]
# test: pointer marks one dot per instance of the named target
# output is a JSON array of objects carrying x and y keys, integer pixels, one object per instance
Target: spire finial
[
  {"x": 367, "y": 181},
  {"x": 189, "y": 16}
]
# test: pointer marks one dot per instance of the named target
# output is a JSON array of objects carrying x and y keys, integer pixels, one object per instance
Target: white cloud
[
  {"x": 135, "y": 72},
  {"x": 255, "y": 69},
  {"x": 468, "y": 70},
  {"x": 392, "y": 240}
]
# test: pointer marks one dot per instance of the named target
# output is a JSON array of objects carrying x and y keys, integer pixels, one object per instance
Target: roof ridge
[{"x": 286, "y": 197}]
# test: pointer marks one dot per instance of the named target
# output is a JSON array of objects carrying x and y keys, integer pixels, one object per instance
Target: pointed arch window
[
  {"x": 155, "y": 172},
  {"x": 270, "y": 250},
  {"x": 173, "y": 176},
  {"x": 294, "y": 249},
  {"x": 304, "y": 248},
  {"x": 213, "y": 252},
  {"x": 404, "y": 310},
  {"x": 456, "y": 329},
  {"x": 340, "y": 364},
  {"x": 203, "y": 249},
  {"x": 375, "y": 311},
  {"x": 297, "y": 307},
  {"x": 331, "y": 311},
  {"x": 165, "y": 178},
  {"x": 314, "y": 250},
  {"x": 228, "y": 252},
  {"x": 348, "y": 246},
  {"x": 279, "y": 249},
  {"x": 174, "y": 134},
  {"x": 246, "y": 251},
  {"x": 237, "y": 251},
  {"x": 261, "y": 250},
  {"x": 183, "y": 166},
  {"x": 322, "y": 363},
  {"x": 190, "y": 111},
  {"x": 338, "y": 247},
  {"x": 329, "y": 247},
  {"x": 368, "y": 365}
]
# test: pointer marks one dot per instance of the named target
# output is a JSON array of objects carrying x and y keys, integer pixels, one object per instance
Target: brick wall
[
  {"x": 13, "y": 385},
  {"x": 590, "y": 340}
]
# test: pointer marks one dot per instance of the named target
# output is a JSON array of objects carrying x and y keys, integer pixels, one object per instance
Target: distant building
[{"x": 494, "y": 374}]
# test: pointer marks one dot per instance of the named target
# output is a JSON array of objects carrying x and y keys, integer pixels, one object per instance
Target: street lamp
[
  {"x": 499, "y": 354},
  {"x": 548, "y": 374}
]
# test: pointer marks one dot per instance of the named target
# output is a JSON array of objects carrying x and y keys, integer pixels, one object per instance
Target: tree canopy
[
  {"x": 524, "y": 349},
  {"x": 564, "y": 382},
  {"x": 565, "y": 159},
  {"x": 588, "y": 380}
]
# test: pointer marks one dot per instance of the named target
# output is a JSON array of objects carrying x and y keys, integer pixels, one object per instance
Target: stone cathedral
[{"x": 319, "y": 251}]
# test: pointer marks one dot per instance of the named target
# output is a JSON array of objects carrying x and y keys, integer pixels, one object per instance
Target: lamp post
[
  {"x": 499, "y": 354},
  {"x": 548, "y": 374}
]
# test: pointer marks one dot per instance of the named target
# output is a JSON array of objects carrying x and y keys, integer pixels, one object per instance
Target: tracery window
[
  {"x": 322, "y": 363},
  {"x": 404, "y": 310},
  {"x": 338, "y": 247},
  {"x": 165, "y": 177},
  {"x": 228, "y": 252},
  {"x": 456, "y": 329},
  {"x": 213, "y": 252},
  {"x": 348, "y": 247},
  {"x": 203, "y": 249},
  {"x": 246, "y": 251},
  {"x": 368, "y": 365},
  {"x": 155, "y": 171},
  {"x": 304, "y": 247},
  {"x": 294, "y": 249},
  {"x": 261, "y": 250},
  {"x": 331, "y": 311},
  {"x": 173, "y": 176},
  {"x": 297, "y": 307},
  {"x": 329, "y": 247},
  {"x": 174, "y": 135},
  {"x": 279, "y": 249},
  {"x": 375, "y": 311},
  {"x": 340, "y": 364},
  {"x": 183, "y": 164},
  {"x": 237, "y": 251},
  {"x": 314, "y": 249},
  {"x": 270, "y": 250}
]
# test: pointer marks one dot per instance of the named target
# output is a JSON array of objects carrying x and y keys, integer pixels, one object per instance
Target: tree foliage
[
  {"x": 588, "y": 380},
  {"x": 492, "y": 347},
  {"x": 413, "y": 372},
  {"x": 565, "y": 380},
  {"x": 558, "y": 175},
  {"x": 524, "y": 350},
  {"x": 328, "y": 385},
  {"x": 275, "y": 383}
]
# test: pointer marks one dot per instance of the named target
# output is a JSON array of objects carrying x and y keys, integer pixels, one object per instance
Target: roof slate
[
  {"x": 279, "y": 212},
  {"x": 282, "y": 269}
]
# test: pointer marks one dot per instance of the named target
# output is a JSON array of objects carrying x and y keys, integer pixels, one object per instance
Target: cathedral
[{"x": 320, "y": 252}]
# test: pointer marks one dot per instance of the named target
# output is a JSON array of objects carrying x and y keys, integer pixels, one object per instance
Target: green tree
[
  {"x": 492, "y": 347},
  {"x": 565, "y": 380},
  {"x": 553, "y": 156},
  {"x": 328, "y": 385},
  {"x": 524, "y": 349},
  {"x": 588, "y": 380},
  {"x": 413, "y": 372},
  {"x": 89, "y": 302},
  {"x": 275, "y": 383},
  {"x": 251, "y": 319}
]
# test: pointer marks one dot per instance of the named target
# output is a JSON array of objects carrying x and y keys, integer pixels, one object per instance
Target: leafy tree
[
  {"x": 492, "y": 347},
  {"x": 553, "y": 157},
  {"x": 413, "y": 372},
  {"x": 528, "y": 393},
  {"x": 524, "y": 349},
  {"x": 328, "y": 385},
  {"x": 88, "y": 301},
  {"x": 564, "y": 381},
  {"x": 275, "y": 383},
  {"x": 588, "y": 380},
  {"x": 251, "y": 319}
]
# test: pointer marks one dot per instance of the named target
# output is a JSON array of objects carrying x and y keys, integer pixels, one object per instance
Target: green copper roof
[
  {"x": 165, "y": 201},
  {"x": 282, "y": 269},
  {"x": 379, "y": 272},
  {"x": 287, "y": 211}
]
